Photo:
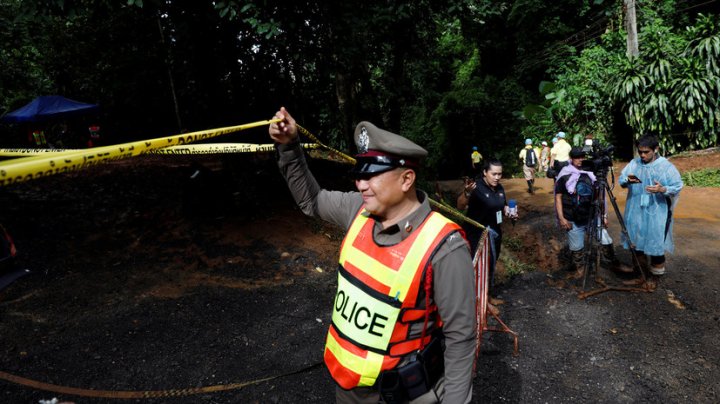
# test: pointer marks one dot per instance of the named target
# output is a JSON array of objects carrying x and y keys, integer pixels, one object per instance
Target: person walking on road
[
  {"x": 405, "y": 279},
  {"x": 560, "y": 153},
  {"x": 544, "y": 157},
  {"x": 529, "y": 156}
]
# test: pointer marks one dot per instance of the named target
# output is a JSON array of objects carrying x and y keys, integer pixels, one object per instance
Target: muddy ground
[{"x": 146, "y": 279}]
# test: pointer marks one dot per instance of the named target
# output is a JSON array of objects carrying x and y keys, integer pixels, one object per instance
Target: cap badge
[
  {"x": 363, "y": 141},
  {"x": 402, "y": 162}
]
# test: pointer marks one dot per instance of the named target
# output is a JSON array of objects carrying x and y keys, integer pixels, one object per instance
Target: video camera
[{"x": 597, "y": 158}]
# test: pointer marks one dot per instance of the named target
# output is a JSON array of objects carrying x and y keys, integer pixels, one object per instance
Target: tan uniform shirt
[
  {"x": 561, "y": 151},
  {"x": 453, "y": 279},
  {"x": 523, "y": 152}
]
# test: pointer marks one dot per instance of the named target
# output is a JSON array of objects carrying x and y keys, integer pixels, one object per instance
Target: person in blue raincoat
[{"x": 653, "y": 185}]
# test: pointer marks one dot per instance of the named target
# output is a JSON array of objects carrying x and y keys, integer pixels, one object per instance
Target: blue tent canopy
[{"x": 46, "y": 107}]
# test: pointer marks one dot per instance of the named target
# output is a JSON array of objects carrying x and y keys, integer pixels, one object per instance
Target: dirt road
[
  {"x": 617, "y": 346},
  {"x": 146, "y": 280}
]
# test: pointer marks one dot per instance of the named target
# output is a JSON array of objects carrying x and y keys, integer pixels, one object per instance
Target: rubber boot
[
  {"x": 578, "y": 261},
  {"x": 530, "y": 187},
  {"x": 615, "y": 264},
  {"x": 642, "y": 268}
]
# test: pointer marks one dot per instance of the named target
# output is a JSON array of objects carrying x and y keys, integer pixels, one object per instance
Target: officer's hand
[
  {"x": 565, "y": 224},
  {"x": 285, "y": 131}
]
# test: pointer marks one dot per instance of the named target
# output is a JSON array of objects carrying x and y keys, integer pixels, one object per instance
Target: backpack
[
  {"x": 582, "y": 199},
  {"x": 530, "y": 158}
]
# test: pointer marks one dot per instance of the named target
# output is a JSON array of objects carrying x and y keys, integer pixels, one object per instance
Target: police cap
[{"x": 380, "y": 151}]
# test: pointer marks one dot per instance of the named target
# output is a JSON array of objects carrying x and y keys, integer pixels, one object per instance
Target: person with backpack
[
  {"x": 573, "y": 206},
  {"x": 530, "y": 158}
]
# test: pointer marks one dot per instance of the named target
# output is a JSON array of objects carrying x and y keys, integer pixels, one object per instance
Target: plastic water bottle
[{"x": 512, "y": 208}]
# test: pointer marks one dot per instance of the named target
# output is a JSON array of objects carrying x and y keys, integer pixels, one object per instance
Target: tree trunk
[
  {"x": 344, "y": 94},
  {"x": 631, "y": 28},
  {"x": 170, "y": 77}
]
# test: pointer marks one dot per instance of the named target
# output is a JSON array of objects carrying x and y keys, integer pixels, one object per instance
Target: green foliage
[
  {"x": 672, "y": 90},
  {"x": 513, "y": 267},
  {"x": 541, "y": 122},
  {"x": 445, "y": 74},
  {"x": 709, "y": 177},
  {"x": 581, "y": 102},
  {"x": 675, "y": 85},
  {"x": 251, "y": 14},
  {"x": 512, "y": 243},
  {"x": 22, "y": 75}
]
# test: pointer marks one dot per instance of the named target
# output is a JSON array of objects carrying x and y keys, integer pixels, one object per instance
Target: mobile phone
[{"x": 634, "y": 178}]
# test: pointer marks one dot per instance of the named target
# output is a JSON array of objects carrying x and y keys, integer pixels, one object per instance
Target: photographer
[{"x": 574, "y": 196}]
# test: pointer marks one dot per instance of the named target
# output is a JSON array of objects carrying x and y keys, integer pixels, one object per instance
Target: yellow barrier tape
[
  {"x": 455, "y": 213},
  {"x": 312, "y": 137},
  {"x": 216, "y": 148},
  {"x": 210, "y": 148},
  {"x": 33, "y": 152},
  {"x": 29, "y": 168},
  {"x": 143, "y": 394},
  {"x": 56, "y": 161}
]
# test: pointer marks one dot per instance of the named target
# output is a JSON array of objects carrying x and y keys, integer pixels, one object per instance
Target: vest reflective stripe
[
  {"x": 39, "y": 138},
  {"x": 379, "y": 283},
  {"x": 381, "y": 273},
  {"x": 399, "y": 280},
  {"x": 353, "y": 369}
]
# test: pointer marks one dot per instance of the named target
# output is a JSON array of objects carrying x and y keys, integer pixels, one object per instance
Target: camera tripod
[{"x": 593, "y": 239}]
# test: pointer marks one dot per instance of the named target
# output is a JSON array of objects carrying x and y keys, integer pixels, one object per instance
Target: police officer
[{"x": 395, "y": 250}]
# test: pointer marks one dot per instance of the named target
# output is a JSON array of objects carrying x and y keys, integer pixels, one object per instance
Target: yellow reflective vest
[
  {"x": 377, "y": 300},
  {"x": 39, "y": 138}
]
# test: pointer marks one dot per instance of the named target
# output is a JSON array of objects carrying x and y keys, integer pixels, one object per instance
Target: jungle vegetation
[{"x": 450, "y": 75}]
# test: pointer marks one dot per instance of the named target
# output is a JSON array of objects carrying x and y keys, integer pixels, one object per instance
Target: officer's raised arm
[{"x": 285, "y": 131}]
